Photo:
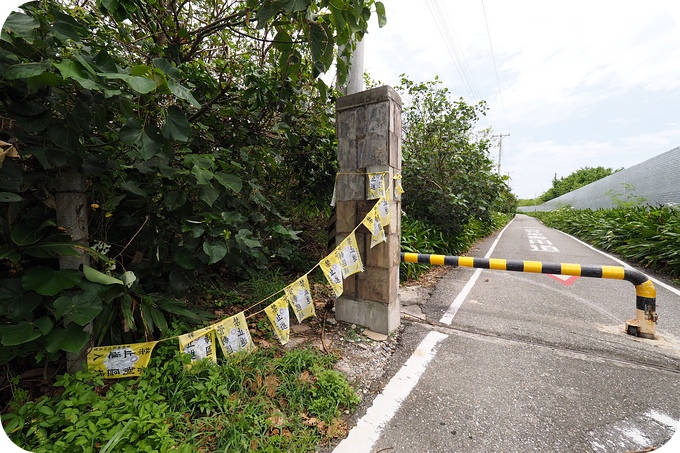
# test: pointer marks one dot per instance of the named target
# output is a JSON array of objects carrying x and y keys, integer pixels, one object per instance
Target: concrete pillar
[{"x": 368, "y": 125}]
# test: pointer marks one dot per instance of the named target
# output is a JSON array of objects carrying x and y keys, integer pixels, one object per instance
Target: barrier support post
[{"x": 368, "y": 126}]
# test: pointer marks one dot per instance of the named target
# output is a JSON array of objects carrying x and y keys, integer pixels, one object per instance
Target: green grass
[{"x": 264, "y": 401}]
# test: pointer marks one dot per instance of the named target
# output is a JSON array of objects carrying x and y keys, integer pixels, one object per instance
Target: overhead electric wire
[
  {"x": 495, "y": 68},
  {"x": 455, "y": 52}
]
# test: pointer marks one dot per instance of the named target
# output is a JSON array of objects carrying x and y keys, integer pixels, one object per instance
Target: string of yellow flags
[{"x": 232, "y": 334}]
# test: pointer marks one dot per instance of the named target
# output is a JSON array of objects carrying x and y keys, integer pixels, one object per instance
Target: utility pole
[
  {"x": 500, "y": 148},
  {"x": 355, "y": 79}
]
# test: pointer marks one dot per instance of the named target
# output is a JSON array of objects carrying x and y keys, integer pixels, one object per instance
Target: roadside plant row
[{"x": 644, "y": 234}]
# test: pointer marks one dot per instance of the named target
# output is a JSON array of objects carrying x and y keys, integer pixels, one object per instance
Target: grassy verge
[{"x": 266, "y": 401}]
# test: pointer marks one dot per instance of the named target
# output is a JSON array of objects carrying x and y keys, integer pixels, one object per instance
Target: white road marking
[
  {"x": 367, "y": 431},
  {"x": 460, "y": 298}
]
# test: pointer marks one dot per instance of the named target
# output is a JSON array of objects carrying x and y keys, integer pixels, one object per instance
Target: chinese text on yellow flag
[
  {"x": 233, "y": 334},
  {"x": 350, "y": 261},
  {"x": 278, "y": 315},
  {"x": 376, "y": 186},
  {"x": 332, "y": 270},
  {"x": 300, "y": 298},
  {"x": 199, "y": 344},
  {"x": 121, "y": 360},
  {"x": 384, "y": 211},
  {"x": 372, "y": 222}
]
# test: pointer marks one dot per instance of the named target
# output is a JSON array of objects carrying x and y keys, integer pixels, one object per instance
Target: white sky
[{"x": 582, "y": 83}]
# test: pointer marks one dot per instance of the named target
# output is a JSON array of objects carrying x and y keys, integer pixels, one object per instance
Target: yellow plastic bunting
[
  {"x": 332, "y": 270},
  {"x": 277, "y": 313},
  {"x": 199, "y": 344},
  {"x": 300, "y": 298},
  {"x": 372, "y": 222},
  {"x": 384, "y": 212},
  {"x": 376, "y": 186},
  {"x": 233, "y": 334},
  {"x": 350, "y": 260},
  {"x": 397, "y": 181},
  {"x": 120, "y": 361}
]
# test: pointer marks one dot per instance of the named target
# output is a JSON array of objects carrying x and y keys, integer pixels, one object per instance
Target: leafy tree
[
  {"x": 446, "y": 165},
  {"x": 187, "y": 130},
  {"x": 579, "y": 178}
]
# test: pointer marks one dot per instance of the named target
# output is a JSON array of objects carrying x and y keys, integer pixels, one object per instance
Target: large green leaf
[
  {"x": 380, "y": 10},
  {"x": 21, "y": 25},
  {"x": 268, "y": 10},
  {"x": 209, "y": 194},
  {"x": 8, "y": 197},
  {"x": 176, "y": 125},
  {"x": 16, "y": 334},
  {"x": 143, "y": 139},
  {"x": 49, "y": 282},
  {"x": 15, "y": 303},
  {"x": 175, "y": 199},
  {"x": 141, "y": 85},
  {"x": 232, "y": 182},
  {"x": 26, "y": 70},
  {"x": 321, "y": 43},
  {"x": 182, "y": 92},
  {"x": 215, "y": 251},
  {"x": 72, "y": 70},
  {"x": 293, "y": 6},
  {"x": 80, "y": 308},
  {"x": 95, "y": 276},
  {"x": 72, "y": 339}
]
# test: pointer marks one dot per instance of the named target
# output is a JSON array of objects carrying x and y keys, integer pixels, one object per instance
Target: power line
[
  {"x": 495, "y": 68},
  {"x": 450, "y": 41}
]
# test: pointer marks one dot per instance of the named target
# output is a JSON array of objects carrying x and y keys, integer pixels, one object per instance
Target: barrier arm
[{"x": 644, "y": 323}]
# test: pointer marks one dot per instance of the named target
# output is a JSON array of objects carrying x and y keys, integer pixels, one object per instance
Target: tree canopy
[
  {"x": 579, "y": 178},
  {"x": 447, "y": 167}
]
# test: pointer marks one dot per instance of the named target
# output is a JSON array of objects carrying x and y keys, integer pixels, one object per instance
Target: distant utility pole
[{"x": 500, "y": 148}]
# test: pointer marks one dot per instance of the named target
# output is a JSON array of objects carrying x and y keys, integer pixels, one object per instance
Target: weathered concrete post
[{"x": 368, "y": 125}]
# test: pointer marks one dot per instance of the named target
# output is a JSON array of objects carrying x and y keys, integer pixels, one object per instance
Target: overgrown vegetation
[
  {"x": 644, "y": 234},
  {"x": 170, "y": 141},
  {"x": 447, "y": 167},
  {"x": 261, "y": 401}
]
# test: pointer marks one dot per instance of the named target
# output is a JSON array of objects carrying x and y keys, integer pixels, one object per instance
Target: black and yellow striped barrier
[{"x": 644, "y": 324}]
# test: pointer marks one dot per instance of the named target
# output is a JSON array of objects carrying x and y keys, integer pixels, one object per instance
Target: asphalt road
[{"x": 528, "y": 362}]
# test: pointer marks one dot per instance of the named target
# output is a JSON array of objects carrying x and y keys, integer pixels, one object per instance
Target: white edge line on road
[
  {"x": 623, "y": 263},
  {"x": 460, "y": 298},
  {"x": 368, "y": 429}
]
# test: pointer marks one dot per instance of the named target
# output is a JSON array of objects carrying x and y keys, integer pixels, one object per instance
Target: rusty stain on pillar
[{"x": 368, "y": 126}]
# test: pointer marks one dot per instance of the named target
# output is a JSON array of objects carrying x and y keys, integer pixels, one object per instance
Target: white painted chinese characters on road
[{"x": 538, "y": 242}]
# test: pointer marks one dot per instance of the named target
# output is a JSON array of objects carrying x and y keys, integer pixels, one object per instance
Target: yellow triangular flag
[
  {"x": 384, "y": 211},
  {"x": 233, "y": 334},
  {"x": 120, "y": 361},
  {"x": 277, "y": 313},
  {"x": 397, "y": 181},
  {"x": 300, "y": 298},
  {"x": 199, "y": 344},
  {"x": 332, "y": 270},
  {"x": 350, "y": 260},
  {"x": 372, "y": 222},
  {"x": 376, "y": 186}
]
